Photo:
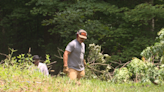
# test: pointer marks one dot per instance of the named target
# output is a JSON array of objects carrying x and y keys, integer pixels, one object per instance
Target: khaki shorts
[{"x": 74, "y": 74}]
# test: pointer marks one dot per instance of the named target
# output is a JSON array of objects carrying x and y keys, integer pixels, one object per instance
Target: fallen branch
[
  {"x": 1, "y": 62},
  {"x": 60, "y": 50},
  {"x": 51, "y": 63},
  {"x": 4, "y": 55},
  {"x": 125, "y": 64},
  {"x": 94, "y": 69},
  {"x": 117, "y": 63},
  {"x": 60, "y": 56},
  {"x": 115, "y": 69},
  {"x": 98, "y": 64}
]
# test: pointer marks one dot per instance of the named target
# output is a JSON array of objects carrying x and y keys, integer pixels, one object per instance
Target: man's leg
[
  {"x": 79, "y": 75},
  {"x": 72, "y": 73}
]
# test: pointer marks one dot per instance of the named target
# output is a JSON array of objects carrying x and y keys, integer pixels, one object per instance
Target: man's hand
[
  {"x": 65, "y": 59},
  {"x": 65, "y": 69}
]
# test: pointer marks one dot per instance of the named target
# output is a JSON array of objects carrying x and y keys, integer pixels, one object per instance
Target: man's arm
[
  {"x": 65, "y": 57},
  {"x": 65, "y": 61},
  {"x": 84, "y": 62}
]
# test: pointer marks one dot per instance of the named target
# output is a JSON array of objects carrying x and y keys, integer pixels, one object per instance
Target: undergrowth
[{"x": 18, "y": 74}]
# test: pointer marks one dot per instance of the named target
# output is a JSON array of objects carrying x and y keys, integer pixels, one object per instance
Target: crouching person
[
  {"x": 73, "y": 57},
  {"x": 42, "y": 67}
]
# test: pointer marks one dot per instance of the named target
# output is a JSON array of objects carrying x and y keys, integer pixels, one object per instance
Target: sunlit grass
[{"x": 14, "y": 79}]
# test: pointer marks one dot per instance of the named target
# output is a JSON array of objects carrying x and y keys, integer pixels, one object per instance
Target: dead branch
[
  {"x": 98, "y": 64},
  {"x": 60, "y": 50},
  {"x": 111, "y": 66},
  {"x": 125, "y": 64},
  {"x": 60, "y": 56},
  {"x": 109, "y": 75},
  {"x": 94, "y": 69},
  {"x": 1, "y": 61},
  {"x": 157, "y": 63},
  {"x": 102, "y": 51},
  {"x": 115, "y": 69},
  {"x": 29, "y": 50},
  {"x": 120, "y": 61},
  {"x": 4, "y": 55},
  {"x": 117, "y": 63},
  {"x": 51, "y": 63}
]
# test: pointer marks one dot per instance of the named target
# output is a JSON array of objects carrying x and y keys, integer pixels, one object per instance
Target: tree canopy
[{"x": 122, "y": 27}]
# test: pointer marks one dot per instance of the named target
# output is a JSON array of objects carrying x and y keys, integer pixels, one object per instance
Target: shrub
[
  {"x": 121, "y": 75},
  {"x": 96, "y": 63}
]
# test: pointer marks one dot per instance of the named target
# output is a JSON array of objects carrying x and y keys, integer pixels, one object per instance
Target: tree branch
[
  {"x": 51, "y": 63},
  {"x": 4, "y": 55},
  {"x": 125, "y": 64},
  {"x": 98, "y": 64}
]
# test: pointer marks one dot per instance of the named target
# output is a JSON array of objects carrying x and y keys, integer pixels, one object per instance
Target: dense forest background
[{"x": 122, "y": 27}]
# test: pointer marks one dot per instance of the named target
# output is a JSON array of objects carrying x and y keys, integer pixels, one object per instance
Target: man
[
  {"x": 42, "y": 67},
  {"x": 73, "y": 57}
]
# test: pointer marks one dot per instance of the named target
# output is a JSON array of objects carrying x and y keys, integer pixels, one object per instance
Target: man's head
[
  {"x": 36, "y": 59},
  {"x": 81, "y": 35}
]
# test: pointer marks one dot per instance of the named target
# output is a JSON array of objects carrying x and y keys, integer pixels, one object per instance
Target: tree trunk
[
  {"x": 153, "y": 24},
  {"x": 152, "y": 20}
]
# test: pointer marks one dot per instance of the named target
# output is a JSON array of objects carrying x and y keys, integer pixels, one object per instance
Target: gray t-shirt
[{"x": 76, "y": 57}]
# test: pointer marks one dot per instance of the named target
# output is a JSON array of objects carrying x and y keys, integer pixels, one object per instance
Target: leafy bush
[
  {"x": 137, "y": 67},
  {"x": 96, "y": 63},
  {"x": 137, "y": 70},
  {"x": 121, "y": 75},
  {"x": 155, "y": 51},
  {"x": 22, "y": 61},
  {"x": 140, "y": 71}
]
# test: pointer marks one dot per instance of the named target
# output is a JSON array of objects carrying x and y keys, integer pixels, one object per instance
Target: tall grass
[
  {"x": 20, "y": 75},
  {"x": 15, "y": 79}
]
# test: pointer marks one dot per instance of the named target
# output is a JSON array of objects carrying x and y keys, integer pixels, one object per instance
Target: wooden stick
[
  {"x": 98, "y": 64},
  {"x": 94, "y": 69},
  {"x": 4, "y": 55},
  {"x": 29, "y": 50},
  {"x": 52, "y": 63},
  {"x": 125, "y": 64}
]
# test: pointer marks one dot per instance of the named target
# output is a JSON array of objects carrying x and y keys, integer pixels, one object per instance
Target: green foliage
[
  {"x": 47, "y": 61},
  {"x": 22, "y": 61},
  {"x": 106, "y": 25},
  {"x": 139, "y": 71},
  {"x": 122, "y": 28},
  {"x": 96, "y": 55},
  {"x": 96, "y": 63},
  {"x": 121, "y": 75},
  {"x": 155, "y": 51},
  {"x": 136, "y": 66},
  {"x": 142, "y": 71},
  {"x": 14, "y": 79}
]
